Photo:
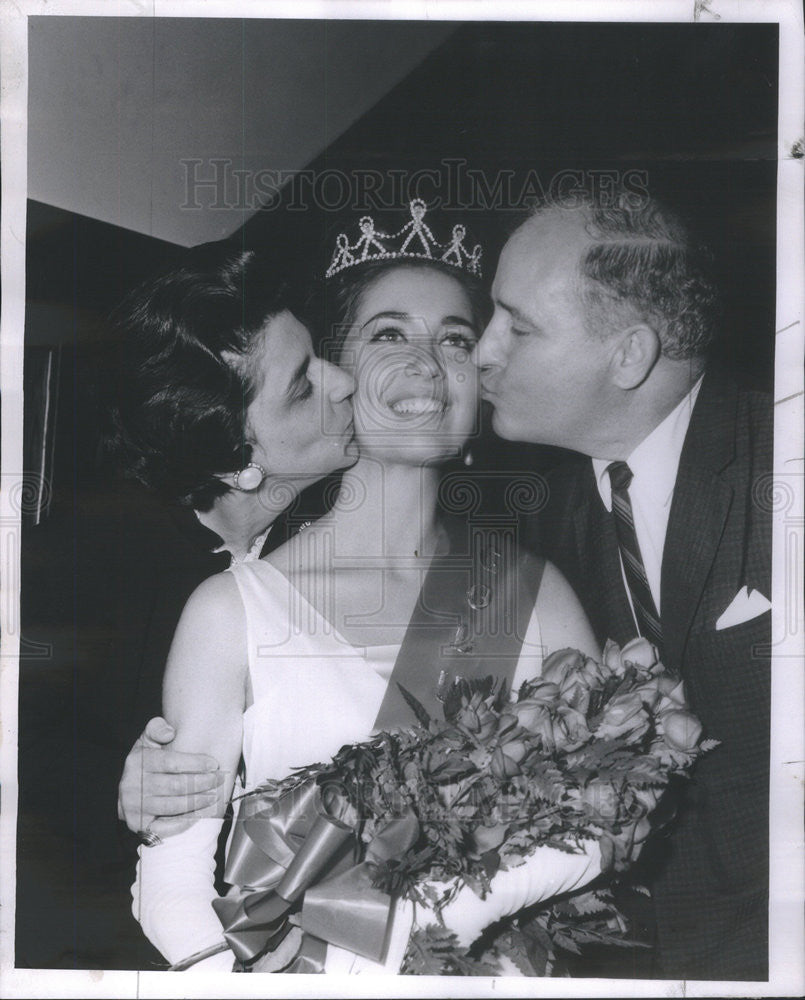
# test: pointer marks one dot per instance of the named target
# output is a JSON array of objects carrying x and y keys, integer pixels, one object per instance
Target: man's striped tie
[{"x": 648, "y": 621}]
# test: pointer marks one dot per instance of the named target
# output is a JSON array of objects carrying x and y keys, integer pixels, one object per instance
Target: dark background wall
[{"x": 693, "y": 107}]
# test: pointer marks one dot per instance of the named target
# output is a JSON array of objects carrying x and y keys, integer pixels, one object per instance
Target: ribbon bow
[{"x": 300, "y": 847}]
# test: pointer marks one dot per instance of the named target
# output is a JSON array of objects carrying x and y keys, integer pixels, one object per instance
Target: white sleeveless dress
[{"x": 312, "y": 692}]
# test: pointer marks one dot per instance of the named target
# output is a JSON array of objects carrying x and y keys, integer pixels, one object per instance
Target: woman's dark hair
[{"x": 187, "y": 340}]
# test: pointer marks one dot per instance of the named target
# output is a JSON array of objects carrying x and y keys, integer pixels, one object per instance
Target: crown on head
[{"x": 414, "y": 240}]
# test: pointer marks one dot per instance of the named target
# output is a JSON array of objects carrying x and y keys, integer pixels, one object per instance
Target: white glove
[
  {"x": 545, "y": 873},
  {"x": 173, "y": 894}
]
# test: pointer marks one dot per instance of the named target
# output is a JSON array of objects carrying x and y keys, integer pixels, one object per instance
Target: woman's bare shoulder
[
  {"x": 554, "y": 583},
  {"x": 217, "y": 593},
  {"x": 210, "y": 639},
  {"x": 563, "y": 621},
  {"x": 204, "y": 690}
]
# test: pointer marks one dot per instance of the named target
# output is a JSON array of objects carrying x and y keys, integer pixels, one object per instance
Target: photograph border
[{"x": 786, "y": 928}]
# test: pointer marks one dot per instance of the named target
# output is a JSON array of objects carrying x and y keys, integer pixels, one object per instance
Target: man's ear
[{"x": 635, "y": 354}]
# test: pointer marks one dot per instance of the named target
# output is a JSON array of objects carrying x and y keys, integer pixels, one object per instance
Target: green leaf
[
  {"x": 530, "y": 955},
  {"x": 417, "y": 707},
  {"x": 589, "y": 902},
  {"x": 566, "y": 942},
  {"x": 434, "y": 951}
]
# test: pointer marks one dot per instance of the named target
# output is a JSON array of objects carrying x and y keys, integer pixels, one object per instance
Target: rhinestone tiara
[{"x": 414, "y": 240}]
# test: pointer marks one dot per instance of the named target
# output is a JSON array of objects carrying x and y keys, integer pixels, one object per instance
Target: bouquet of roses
[{"x": 583, "y": 753}]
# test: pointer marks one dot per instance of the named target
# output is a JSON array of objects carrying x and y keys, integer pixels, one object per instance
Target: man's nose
[
  {"x": 488, "y": 352},
  {"x": 338, "y": 383}
]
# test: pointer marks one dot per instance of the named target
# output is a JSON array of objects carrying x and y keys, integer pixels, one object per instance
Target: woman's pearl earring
[
  {"x": 468, "y": 459},
  {"x": 249, "y": 478}
]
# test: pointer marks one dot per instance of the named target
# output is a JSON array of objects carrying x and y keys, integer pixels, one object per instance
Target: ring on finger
[{"x": 148, "y": 837}]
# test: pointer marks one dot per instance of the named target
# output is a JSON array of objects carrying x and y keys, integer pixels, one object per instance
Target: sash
[{"x": 469, "y": 621}]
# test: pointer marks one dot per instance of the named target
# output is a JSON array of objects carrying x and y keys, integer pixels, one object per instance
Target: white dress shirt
[{"x": 654, "y": 464}]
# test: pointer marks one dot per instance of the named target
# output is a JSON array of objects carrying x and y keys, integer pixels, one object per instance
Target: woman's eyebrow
[
  {"x": 386, "y": 315},
  {"x": 298, "y": 375}
]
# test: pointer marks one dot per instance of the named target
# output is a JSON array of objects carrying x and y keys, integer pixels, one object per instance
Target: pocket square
[{"x": 746, "y": 605}]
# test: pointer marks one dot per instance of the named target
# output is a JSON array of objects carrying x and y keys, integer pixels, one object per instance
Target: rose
[
  {"x": 660, "y": 692},
  {"x": 538, "y": 720},
  {"x": 594, "y": 672},
  {"x": 638, "y": 651},
  {"x": 562, "y": 726},
  {"x": 672, "y": 694},
  {"x": 574, "y": 674},
  {"x": 680, "y": 730},
  {"x": 480, "y": 720},
  {"x": 577, "y": 693},
  {"x": 528, "y": 712},
  {"x": 570, "y": 727},
  {"x": 507, "y": 757},
  {"x": 540, "y": 691},
  {"x": 558, "y": 665},
  {"x": 649, "y": 693},
  {"x": 489, "y": 838},
  {"x": 516, "y": 749},
  {"x": 503, "y": 766},
  {"x": 625, "y": 715},
  {"x": 600, "y": 800}
]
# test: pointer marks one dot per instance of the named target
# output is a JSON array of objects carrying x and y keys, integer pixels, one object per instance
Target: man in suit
[{"x": 603, "y": 316}]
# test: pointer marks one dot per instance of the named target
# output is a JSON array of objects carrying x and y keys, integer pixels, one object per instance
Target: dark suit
[{"x": 710, "y": 876}]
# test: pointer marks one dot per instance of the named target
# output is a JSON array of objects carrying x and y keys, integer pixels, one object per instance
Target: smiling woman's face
[{"x": 409, "y": 349}]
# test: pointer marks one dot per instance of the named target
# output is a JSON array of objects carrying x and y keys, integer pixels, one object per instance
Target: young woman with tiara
[{"x": 281, "y": 661}]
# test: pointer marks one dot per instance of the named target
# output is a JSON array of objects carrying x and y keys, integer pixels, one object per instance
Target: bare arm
[
  {"x": 160, "y": 778},
  {"x": 204, "y": 697},
  {"x": 562, "y": 620},
  {"x": 204, "y": 689}
]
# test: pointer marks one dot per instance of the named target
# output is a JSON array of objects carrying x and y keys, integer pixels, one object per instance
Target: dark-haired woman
[
  {"x": 223, "y": 408},
  {"x": 223, "y": 413},
  {"x": 284, "y": 660}
]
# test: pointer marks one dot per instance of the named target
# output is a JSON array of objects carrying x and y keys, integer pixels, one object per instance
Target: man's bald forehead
[
  {"x": 554, "y": 234},
  {"x": 558, "y": 222}
]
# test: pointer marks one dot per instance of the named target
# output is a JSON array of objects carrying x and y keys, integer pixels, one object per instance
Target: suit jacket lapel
[{"x": 701, "y": 503}]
